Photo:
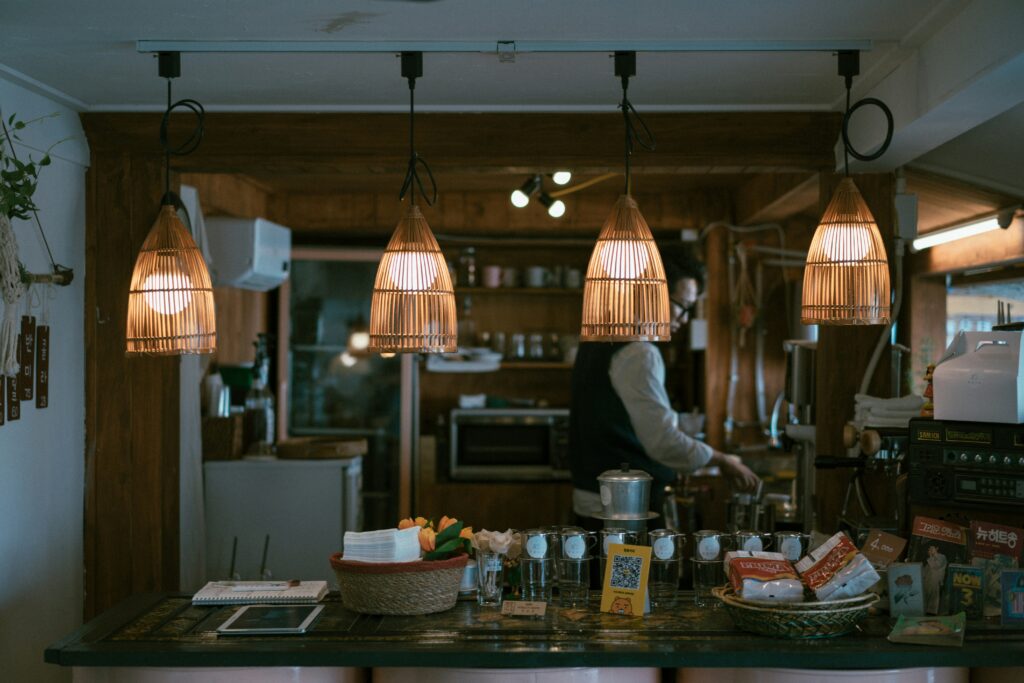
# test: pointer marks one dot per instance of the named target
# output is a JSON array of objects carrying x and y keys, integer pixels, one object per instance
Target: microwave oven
[{"x": 513, "y": 444}]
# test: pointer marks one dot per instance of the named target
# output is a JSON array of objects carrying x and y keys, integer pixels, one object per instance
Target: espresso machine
[{"x": 792, "y": 428}]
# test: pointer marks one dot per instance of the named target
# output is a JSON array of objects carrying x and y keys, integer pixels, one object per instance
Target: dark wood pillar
[
  {"x": 843, "y": 356},
  {"x": 131, "y": 534}
]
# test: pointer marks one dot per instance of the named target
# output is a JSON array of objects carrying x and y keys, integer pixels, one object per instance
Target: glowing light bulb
[
  {"x": 561, "y": 177},
  {"x": 168, "y": 293},
  {"x": 359, "y": 341},
  {"x": 557, "y": 209},
  {"x": 387, "y": 354},
  {"x": 347, "y": 359},
  {"x": 846, "y": 243},
  {"x": 624, "y": 259},
  {"x": 412, "y": 271},
  {"x": 519, "y": 199}
]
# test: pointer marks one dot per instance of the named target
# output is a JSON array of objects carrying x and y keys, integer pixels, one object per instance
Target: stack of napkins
[
  {"x": 870, "y": 411},
  {"x": 384, "y": 545}
]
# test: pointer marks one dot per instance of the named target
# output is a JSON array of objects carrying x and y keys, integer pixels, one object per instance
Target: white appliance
[
  {"x": 249, "y": 253},
  {"x": 305, "y": 506},
  {"x": 979, "y": 378}
]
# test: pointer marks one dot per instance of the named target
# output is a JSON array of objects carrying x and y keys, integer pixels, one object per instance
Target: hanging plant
[{"x": 19, "y": 179}]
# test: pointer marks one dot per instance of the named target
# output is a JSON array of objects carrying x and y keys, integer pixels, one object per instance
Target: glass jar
[{"x": 467, "y": 268}]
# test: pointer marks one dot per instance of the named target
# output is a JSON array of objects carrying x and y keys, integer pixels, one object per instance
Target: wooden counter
[{"x": 167, "y": 631}]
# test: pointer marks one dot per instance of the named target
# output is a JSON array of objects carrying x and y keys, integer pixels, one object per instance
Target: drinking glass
[
  {"x": 708, "y": 571},
  {"x": 666, "y": 560},
  {"x": 538, "y": 577},
  {"x": 490, "y": 577},
  {"x": 573, "y": 582}
]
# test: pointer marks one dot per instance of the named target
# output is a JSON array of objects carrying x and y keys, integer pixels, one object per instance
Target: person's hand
[{"x": 741, "y": 476}]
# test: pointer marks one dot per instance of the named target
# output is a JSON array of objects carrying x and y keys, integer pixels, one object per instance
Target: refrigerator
[
  {"x": 332, "y": 386},
  {"x": 299, "y": 510}
]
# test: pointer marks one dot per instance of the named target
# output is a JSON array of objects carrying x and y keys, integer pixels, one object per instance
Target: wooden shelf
[
  {"x": 534, "y": 365},
  {"x": 534, "y": 291}
]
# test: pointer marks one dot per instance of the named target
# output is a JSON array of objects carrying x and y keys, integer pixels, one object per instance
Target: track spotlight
[
  {"x": 555, "y": 207},
  {"x": 521, "y": 197},
  {"x": 561, "y": 177}
]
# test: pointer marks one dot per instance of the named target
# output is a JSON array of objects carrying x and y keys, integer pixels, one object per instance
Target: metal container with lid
[{"x": 625, "y": 493}]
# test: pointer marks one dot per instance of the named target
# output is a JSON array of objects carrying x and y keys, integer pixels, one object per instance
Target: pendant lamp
[
  {"x": 625, "y": 294},
  {"x": 170, "y": 300},
  {"x": 846, "y": 277},
  {"x": 413, "y": 305}
]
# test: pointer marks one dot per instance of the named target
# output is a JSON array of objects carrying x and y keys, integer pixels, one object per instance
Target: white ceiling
[
  {"x": 87, "y": 50},
  {"x": 948, "y": 68}
]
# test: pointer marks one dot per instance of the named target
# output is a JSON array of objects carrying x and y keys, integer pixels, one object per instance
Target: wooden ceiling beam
[
  {"x": 775, "y": 197},
  {"x": 303, "y": 143}
]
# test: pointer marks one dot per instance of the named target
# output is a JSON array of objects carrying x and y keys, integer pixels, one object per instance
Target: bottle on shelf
[
  {"x": 467, "y": 268},
  {"x": 467, "y": 325},
  {"x": 258, "y": 419}
]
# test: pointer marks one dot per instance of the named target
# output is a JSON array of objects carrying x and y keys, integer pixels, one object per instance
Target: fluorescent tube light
[{"x": 955, "y": 232}]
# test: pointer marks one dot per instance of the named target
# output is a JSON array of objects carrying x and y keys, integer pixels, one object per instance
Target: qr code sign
[{"x": 626, "y": 571}]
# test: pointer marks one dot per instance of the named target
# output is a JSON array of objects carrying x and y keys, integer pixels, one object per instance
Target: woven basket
[
  {"x": 422, "y": 587},
  {"x": 797, "y": 619}
]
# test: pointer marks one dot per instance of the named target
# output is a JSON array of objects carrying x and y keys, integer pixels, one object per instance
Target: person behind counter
[{"x": 619, "y": 410}]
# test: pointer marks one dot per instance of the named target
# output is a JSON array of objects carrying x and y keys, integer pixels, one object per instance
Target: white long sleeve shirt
[{"x": 637, "y": 374}]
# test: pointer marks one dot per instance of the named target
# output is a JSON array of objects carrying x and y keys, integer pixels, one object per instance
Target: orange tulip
[
  {"x": 406, "y": 523},
  {"x": 467, "y": 533},
  {"x": 446, "y": 522},
  {"x": 427, "y": 539},
  {"x": 422, "y": 522}
]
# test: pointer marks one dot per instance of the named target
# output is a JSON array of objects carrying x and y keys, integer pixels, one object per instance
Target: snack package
[
  {"x": 759, "y": 578},
  {"x": 966, "y": 590},
  {"x": 733, "y": 554},
  {"x": 837, "y": 570}
]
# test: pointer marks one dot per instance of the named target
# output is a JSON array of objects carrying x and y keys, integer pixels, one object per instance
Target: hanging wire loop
[
  {"x": 190, "y": 144},
  {"x": 867, "y": 101}
]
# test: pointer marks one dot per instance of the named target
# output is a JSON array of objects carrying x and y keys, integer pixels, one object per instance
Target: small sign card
[
  {"x": 523, "y": 608},
  {"x": 882, "y": 549},
  {"x": 906, "y": 589},
  {"x": 625, "y": 579},
  {"x": 13, "y": 402},
  {"x": 27, "y": 357}
]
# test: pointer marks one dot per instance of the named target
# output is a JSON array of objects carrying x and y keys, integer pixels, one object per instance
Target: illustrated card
[
  {"x": 906, "y": 589},
  {"x": 625, "y": 579},
  {"x": 1012, "y": 581}
]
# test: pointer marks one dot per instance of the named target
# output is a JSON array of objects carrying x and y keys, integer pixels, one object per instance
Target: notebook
[{"x": 255, "y": 592}]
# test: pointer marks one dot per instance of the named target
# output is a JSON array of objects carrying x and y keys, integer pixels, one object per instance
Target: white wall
[{"x": 42, "y": 455}]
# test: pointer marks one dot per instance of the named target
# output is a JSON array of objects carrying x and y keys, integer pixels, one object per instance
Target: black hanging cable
[
  {"x": 625, "y": 66},
  {"x": 412, "y": 67},
  {"x": 170, "y": 68},
  {"x": 849, "y": 66}
]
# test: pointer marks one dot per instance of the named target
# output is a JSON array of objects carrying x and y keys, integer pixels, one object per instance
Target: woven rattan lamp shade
[
  {"x": 413, "y": 304},
  {"x": 846, "y": 278},
  {"x": 625, "y": 296},
  {"x": 170, "y": 303}
]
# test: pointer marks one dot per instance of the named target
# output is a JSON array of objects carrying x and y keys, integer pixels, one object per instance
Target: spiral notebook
[{"x": 260, "y": 592}]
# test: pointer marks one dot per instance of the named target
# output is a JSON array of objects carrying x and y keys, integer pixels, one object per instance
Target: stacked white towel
[
  {"x": 871, "y": 411},
  {"x": 383, "y": 545}
]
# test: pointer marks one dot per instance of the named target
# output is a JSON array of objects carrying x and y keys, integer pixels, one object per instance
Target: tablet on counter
[{"x": 271, "y": 620}]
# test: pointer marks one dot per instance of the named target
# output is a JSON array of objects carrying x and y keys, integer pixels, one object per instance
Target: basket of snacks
[
  {"x": 825, "y": 619},
  {"x": 420, "y": 586},
  {"x": 822, "y": 596}
]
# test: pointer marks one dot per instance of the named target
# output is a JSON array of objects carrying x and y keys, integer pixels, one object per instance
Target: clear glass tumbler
[
  {"x": 490, "y": 577},
  {"x": 573, "y": 582},
  {"x": 538, "y": 578},
  {"x": 663, "y": 583}
]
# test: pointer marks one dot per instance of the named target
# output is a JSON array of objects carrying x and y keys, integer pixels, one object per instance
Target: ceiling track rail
[{"x": 500, "y": 46}]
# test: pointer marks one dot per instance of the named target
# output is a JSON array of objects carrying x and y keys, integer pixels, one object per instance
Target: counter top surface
[{"x": 167, "y": 630}]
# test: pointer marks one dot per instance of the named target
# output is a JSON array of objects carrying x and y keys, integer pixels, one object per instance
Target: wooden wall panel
[
  {"x": 132, "y": 437},
  {"x": 241, "y": 315}
]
